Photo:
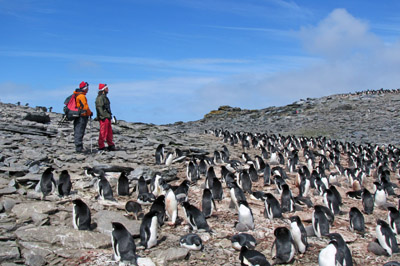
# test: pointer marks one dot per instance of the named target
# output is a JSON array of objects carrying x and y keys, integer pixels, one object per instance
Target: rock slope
[{"x": 40, "y": 232}]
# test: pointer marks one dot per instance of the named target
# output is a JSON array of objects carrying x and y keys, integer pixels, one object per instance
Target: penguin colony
[{"x": 313, "y": 192}]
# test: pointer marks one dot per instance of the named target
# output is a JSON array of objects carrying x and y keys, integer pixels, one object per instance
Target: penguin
[
  {"x": 142, "y": 186},
  {"x": 81, "y": 217},
  {"x": 192, "y": 242},
  {"x": 386, "y": 237},
  {"x": 207, "y": 203},
  {"x": 244, "y": 181},
  {"x": 356, "y": 219},
  {"x": 331, "y": 201},
  {"x": 217, "y": 190},
  {"x": 104, "y": 188},
  {"x": 343, "y": 248},
  {"x": 267, "y": 175},
  {"x": 287, "y": 200},
  {"x": 195, "y": 217},
  {"x": 159, "y": 206},
  {"x": 192, "y": 172},
  {"x": 123, "y": 185},
  {"x": 249, "y": 257},
  {"x": 272, "y": 207},
  {"x": 236, "y": 193},
  {"x": 169, "y": 158},
  {"x": 210, "y": 177},
  {"x": 240, "y": 240},
  {"x": 202, "y": 167},
  {"x": 133, "y": 207},
  {"x": 394, "y": 220},
  {"x": 171, "y": 207},
  {"x": 156, "y": 187},
  {"x": 367, "y": 201},
  {"x": 64, "y": 184},
  {"x": 253, "y": 173},
  {"x": 320, "y": 222},
  {"x": 146, "y": 198},
  {"x": 148, "y": 229},
  {"x": 258, "y": 195},
  {"x": 284, "y": 247},
  {"x": 159, "y": 154},
  {"x": 260, "y": 164},
  {"x": 299, "y": 234},
  {"x": 279, "y": 182},
  {"x": 304, "y": 187},
  {"x": 182, "y": 191},
  {"x": 337, "y": 194},
  {"x": 246, "y": 215},
  {"x": 47, "y": 182},
  {"x": 380, "y": 196},
  {"x": 123, "y": 244},
  {"x": 331, "y": 255}
]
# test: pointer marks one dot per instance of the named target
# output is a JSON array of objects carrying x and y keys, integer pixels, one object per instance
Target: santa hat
[
  {"x": 102, "y": 87},
  {"x": 84, "y": 85}
]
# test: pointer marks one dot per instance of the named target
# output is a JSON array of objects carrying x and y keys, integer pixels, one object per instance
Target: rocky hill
[{"x": 36, "y": 231}]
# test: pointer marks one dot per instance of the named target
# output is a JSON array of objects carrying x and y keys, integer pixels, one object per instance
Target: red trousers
[{"x": 106, "y": 133}]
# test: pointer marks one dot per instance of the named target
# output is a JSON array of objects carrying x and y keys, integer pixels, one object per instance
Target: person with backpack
[
  {"x": 104, "y": 116},
  {"x": 81, "y": 121}
]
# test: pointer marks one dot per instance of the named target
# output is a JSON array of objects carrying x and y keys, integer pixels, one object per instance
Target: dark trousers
[{"x": 80, "y": 124}]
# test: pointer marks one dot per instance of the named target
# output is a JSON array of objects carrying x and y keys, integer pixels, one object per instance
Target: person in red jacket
[
  {"x": 80, "y": 123},
  {"x": 104, "y": 116}
]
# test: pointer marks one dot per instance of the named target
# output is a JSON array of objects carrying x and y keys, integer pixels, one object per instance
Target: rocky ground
[{"x": 40, "y": 232}]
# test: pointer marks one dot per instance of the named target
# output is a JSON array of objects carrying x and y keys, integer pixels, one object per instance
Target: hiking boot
[{"x": 111, "y": 148}]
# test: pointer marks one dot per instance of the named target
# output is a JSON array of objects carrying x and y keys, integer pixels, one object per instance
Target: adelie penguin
[
  {"x": 217, "y": 190},
  {"x": 123, "y": 185},
  {"x": 191, "y": 242},
  {"x": 332, "y": 202},
  {"x": 64, "y": 184},
  {"x": 243, "y": 240},
  {"x": 123, "y": 244},
  {"x": 287, "y": 200},
  {"x": 148, "y": 230},
  {"x": 343, "y": 248},
  {"x": 272, "y": 207},
  {"x": 159, "y": 155},
  {"x": 249, "y": 257},
  {"x": 367, "y": 201},
  {"x": 207, "y": 203},
  {"x": 171, "y": 207},
  {"x": 47, "y": 183},
  {"x": 299, "y": 233},
  {"x": 356, "y": 219},
  {"x": 159, "y": 206},
  {"x": 386, "y": 237},
  {"x": 81, "y": 217},
  {"x": 237, "y": 195},
  {"x": 104, "y": 189},
  {"x": 246, "y": 218},
  {"x": 331, "y": 255},
  {"x": 380, "y": 196},
  {"x": 394, "y": 220},
  {"x": 320, "y": 221},
  {"x": 195, "y": 217},
  {"x": 283, "y": 249},
  {"x": 133, "y": 208}
]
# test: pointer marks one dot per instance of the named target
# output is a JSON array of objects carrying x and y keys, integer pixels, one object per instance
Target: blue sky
[{"x": 176, "y": 60}]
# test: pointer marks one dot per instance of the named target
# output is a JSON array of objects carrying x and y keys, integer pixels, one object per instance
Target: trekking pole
[{"x": 91, "y": 136}]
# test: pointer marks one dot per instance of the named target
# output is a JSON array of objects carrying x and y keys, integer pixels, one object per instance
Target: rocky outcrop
[{"x": 40, "y": 232}]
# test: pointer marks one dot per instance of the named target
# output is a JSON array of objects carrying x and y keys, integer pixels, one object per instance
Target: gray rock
[
  {"x": 64, "y": 236},
  {"x": 8, "y": 251},
  {"x": 25, "y": 210},
  {"x": 35, "y": 260},
  {"x": 7, "y": 191},
  {"x": 105, "y": 218},
  {"x": 170, "y": 254}
]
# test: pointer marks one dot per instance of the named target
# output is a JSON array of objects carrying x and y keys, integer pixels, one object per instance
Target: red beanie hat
[
  {"x": 83, "y": 85},
  {"x": 102, "y": 87}
]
